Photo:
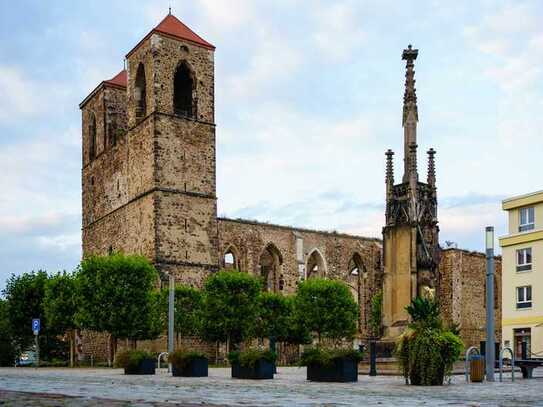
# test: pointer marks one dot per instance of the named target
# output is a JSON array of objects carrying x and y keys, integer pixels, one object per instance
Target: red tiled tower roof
[
  {"x": 171, "y": 26},
  {"x": 118, "y": 80}
]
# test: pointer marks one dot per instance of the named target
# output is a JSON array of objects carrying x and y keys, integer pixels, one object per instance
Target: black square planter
[
  {"x": 261, "y": 370},
  {"x": 146, "y": 366},
  {"x": 195, "y": 368},
  {"x": 340, "y": 370}
]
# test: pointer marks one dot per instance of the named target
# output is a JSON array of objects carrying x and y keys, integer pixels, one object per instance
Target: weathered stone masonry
[{"x": 149, "y": 187}]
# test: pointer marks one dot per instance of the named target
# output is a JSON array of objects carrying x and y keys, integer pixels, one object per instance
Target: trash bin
[{"x": 476, "y": 368}]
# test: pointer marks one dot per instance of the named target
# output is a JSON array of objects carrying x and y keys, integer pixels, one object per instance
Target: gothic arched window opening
[
  {"x": 140, "y": 96},
  {"x": 270, "y": 268},
  {"x": 231, "y": 259},
  {"x": 184, "y": 103},
  {"x": 92, "y": 137},
  {"x": 315, "y": 265}
]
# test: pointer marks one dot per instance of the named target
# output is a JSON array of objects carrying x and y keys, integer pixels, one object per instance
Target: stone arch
[
  {"x": 140, "y": 93},
  {"x": 92, "y": 136},
  {"x": 270, "y": 268},
  {"x": 231, "y": 259},
  {"x": 356, "y": 276},
  {"x": 315, "y": 265},
  {"x": 184, "y": 90}
]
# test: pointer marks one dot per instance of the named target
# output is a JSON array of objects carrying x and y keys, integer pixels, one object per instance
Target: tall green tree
[
  {"x": 274, "y": 316},
  {"x": 25, "y": 301},
  {"x": 187, "y": 310},
  {"x": 59, "y": 305},
  {"x": 115, "y": 295},
  {"x": 230, "y": 307},
  {"x": 327, "y": 308},
  {"x": 7, "y": 348}
]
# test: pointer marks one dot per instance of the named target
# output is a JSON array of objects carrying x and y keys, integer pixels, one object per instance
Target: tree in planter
[
  {"x": 24, "y": 295},
  {"x": 60, "y": 306},
  {"x": 115, "y": 295},
  {"x": 427, "y": 350},
  {"x": 327, "y": 308},
  {"x": 230, "y": 307},
  {"x": 273, "y": 319}
]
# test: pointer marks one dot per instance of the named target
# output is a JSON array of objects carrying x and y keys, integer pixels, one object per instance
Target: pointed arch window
[
  {"x": 92, "y": 137},
  {"x": 184, "y": 84},
  {"x": 140, "y": 95},
  {"x": 316, "y": 266},
  {"x": 269, "y": 264}
]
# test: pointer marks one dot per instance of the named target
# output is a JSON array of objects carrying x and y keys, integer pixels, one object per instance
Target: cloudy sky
[{"x": 308, "y": 98}]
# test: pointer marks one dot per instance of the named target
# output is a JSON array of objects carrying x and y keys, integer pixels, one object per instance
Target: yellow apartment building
[{"x": 522, "y": 274}]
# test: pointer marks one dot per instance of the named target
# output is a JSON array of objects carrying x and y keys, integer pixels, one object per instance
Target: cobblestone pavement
[{"x": 289, "y": 388}]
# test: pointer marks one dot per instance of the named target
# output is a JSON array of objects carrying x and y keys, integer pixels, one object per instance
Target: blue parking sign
[{"x": 36, "y": 326}]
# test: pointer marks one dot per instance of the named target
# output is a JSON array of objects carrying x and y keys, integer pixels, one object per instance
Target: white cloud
[
  {"x": 225, "y": 15},
  {"x": 20, "y": 95},
  {"x": 339, "y": 30}
]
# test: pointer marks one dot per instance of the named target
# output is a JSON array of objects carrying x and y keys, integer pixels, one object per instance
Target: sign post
[{"x": 36, "y": 330}]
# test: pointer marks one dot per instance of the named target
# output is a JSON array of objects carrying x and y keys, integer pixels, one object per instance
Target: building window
[
  {"x": 524, "y": 259},
  {"x": 140, "y": 95},
  {"x": 524, "y": 297},
  {"x": 527, "y": 218},
  {"x": 184, "y": 85}
]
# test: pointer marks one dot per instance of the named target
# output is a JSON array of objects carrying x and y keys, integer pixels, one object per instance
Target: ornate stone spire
[
  {"x": 431, "y": 179},
  {"x": 389, "y": 180},
  {"x": 410, "y": 111}
]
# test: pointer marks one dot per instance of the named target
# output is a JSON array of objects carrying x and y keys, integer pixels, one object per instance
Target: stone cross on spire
[{"x": 410, "y": 112}]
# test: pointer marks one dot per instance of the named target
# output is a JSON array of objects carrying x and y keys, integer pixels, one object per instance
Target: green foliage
[
  {"x": 326, "y": 357},
  {"x": 424, "y": 312},
  {"x": 297, "y": 332},
  {"x": 60, "y": 302},
  {"x": 250, "y": 357},
  {"x": 181, "y": 359},
  {"x": 376, "y": 314},
  {"x": 7, "y": 348},
  {"x": 427, "y": 351},
  {"x": 327, "y": 308},
  {"x": 274, "y": 316},
  {"x": 25, "y": 301},
  {"x": 131, "y": 359},
  {"x": 187, "y": 310},
  {"x": 230, "y": 307},
  {"x": 115, "y": 294}
]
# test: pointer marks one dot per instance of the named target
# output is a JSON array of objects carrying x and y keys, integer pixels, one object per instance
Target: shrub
[
  {"x": 426, "y": 351},
  {"x": 131, "y": 359},
  {"x": 181, "y": 359},
  {"x": 326, "y": 357},
  {"x": 250, "y": 357}
]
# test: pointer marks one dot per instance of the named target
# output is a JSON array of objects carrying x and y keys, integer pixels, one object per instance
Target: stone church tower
[
  {"x": 410, "y": 236},
  {"x": 149, "y": 156}
]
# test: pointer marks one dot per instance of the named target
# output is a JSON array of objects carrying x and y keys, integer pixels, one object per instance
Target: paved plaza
[{"x": 289, "y": 388}]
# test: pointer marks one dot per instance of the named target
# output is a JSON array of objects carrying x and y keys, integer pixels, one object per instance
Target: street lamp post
[
  {"x": 171, "y": 299},
  {"x": 490, "y": 340}
]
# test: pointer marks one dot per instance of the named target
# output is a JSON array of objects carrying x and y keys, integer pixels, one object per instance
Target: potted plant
[
  {"x": 427, "y": 350},
  {"x": 230, "y": 313},
  {"x": 331, "y": 365},
  {"x": 328, "y": 310},
  {"x": 252, "y": 364},
  {"x": 136, "y": 362},
  {"x": 188, "y": 364}
]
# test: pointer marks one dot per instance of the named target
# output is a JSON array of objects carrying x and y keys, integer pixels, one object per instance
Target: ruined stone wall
[
  {"x": 250, "y": 239},
  {"x": 463, "y": 295}
]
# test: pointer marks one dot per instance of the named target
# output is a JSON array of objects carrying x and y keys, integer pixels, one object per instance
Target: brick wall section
[{"x": 463, "y": 295}]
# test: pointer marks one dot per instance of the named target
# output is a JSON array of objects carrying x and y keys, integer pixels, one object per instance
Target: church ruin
[{"x": 149, "y": 187}]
